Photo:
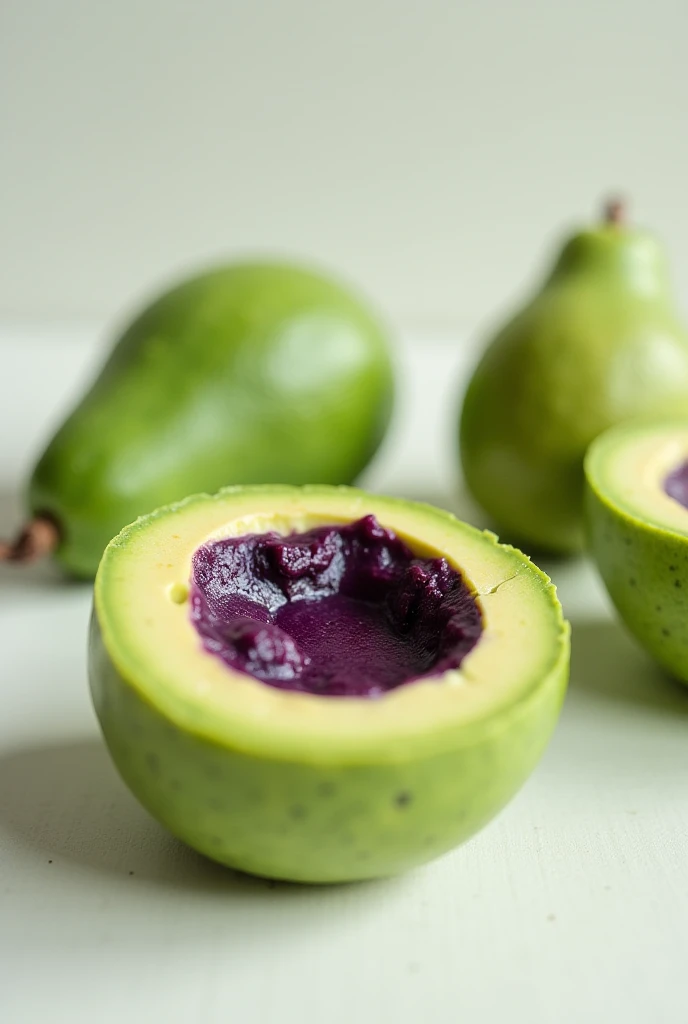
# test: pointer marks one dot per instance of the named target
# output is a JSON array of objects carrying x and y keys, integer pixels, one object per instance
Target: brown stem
[
  {"x": 614, "y": 212},
  {"x": 39, "y": 537}
]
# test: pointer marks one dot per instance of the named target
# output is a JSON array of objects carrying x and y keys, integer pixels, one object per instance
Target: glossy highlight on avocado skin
[
  {"x": 676, "y": 484},
  {"x": 336, "y": 611}
]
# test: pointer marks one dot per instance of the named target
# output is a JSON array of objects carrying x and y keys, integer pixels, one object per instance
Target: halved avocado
[
  {"x": 314, "y": 787},
  {"x": 637, "y": 521}
]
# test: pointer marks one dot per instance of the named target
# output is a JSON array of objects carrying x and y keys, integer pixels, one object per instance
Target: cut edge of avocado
[{"x": 141, "y": 625}]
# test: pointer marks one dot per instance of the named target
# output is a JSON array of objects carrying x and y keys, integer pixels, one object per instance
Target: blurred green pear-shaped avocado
[
  {"x": 600, "y": 343},
  {"x": 251, "y": 373}
]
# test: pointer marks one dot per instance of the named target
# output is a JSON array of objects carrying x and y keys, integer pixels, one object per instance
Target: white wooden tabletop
[{"x": 570, "y": 908}]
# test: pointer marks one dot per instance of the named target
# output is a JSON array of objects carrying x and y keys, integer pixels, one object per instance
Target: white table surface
[{"x": 571, "y": 907}]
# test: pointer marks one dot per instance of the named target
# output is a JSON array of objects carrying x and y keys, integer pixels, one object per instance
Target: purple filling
[
  {"x": 676, "y": 484},
  {"x": 337, "y": 611}
]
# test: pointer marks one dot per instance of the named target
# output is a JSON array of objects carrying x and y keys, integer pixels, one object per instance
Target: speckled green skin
[
  {"x": 254, "y": 373},
  {"x": 600, "y": 344},
  {"x": 317, "y": 823},
  {"x": 645, "y": 570}
]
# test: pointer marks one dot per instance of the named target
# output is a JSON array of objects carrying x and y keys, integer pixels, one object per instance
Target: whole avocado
[
  {"x": 599, "y": 344},
  {"x": 250, "y": 373}
]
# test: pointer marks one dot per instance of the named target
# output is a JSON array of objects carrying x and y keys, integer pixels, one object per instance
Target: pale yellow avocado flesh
[
  {"x": 633, "y": 462},
  {"x": 154, "y": 644}
]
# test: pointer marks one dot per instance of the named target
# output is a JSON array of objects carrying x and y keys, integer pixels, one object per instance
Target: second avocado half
[
  {"x": 599, "y": 344},
  {"x": 251, "y": 373}
]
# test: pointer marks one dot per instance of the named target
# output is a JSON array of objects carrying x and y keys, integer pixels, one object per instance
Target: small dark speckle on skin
[
  {"x": 429, "y": 840},
  {"x": 658, "y": 608},
  {"x": 49, "y": 862},
  {"x": 632, "y": 581},
  {"x": 176, "y": 785},
  {"x": 665, "y": 632},
  {"x": 403, "y": 799},
  {"x": 362, "y": 855},
  {"x": 672, "y": 568},
  {"x": 628, "y": 541},
  {"x": 131, "y": 872},
  {"x": 153, "y": 762},
  {"x": 327, "y": 789},
  {"x": 677, "y": 583},
  {"x": 297, "y": 812},
  {"x": 551, "y": 917}
]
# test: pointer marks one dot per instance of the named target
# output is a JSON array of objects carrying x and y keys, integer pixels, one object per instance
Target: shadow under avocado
[
  {"x": 66, "y": 801},
  {"x": 607, "y": 664}
]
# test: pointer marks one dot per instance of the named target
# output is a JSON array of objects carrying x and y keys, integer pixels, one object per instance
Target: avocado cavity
[
  {"x": 676, "y": 484},
  {"x": 336, "y": 611}
]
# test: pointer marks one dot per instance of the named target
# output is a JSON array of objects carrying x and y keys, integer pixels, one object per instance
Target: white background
[{"x": 430, "y": 150}]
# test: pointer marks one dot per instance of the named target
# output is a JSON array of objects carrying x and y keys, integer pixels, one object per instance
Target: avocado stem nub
[
  {"x": 614, "y": 212},
  {"x": 38, "y": 538}
]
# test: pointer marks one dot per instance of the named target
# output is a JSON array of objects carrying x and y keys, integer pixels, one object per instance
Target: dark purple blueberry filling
[
  {"x": 676, "y": 484},
  {"x": 337, "y": 611}
]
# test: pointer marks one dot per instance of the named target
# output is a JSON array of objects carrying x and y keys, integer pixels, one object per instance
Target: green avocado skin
[
  {"x": 306, "y": 822},
  {"x": 253, "y": 373},
  {"x": 598, "y": 345},
  {"x": 645, "y": 571}
]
